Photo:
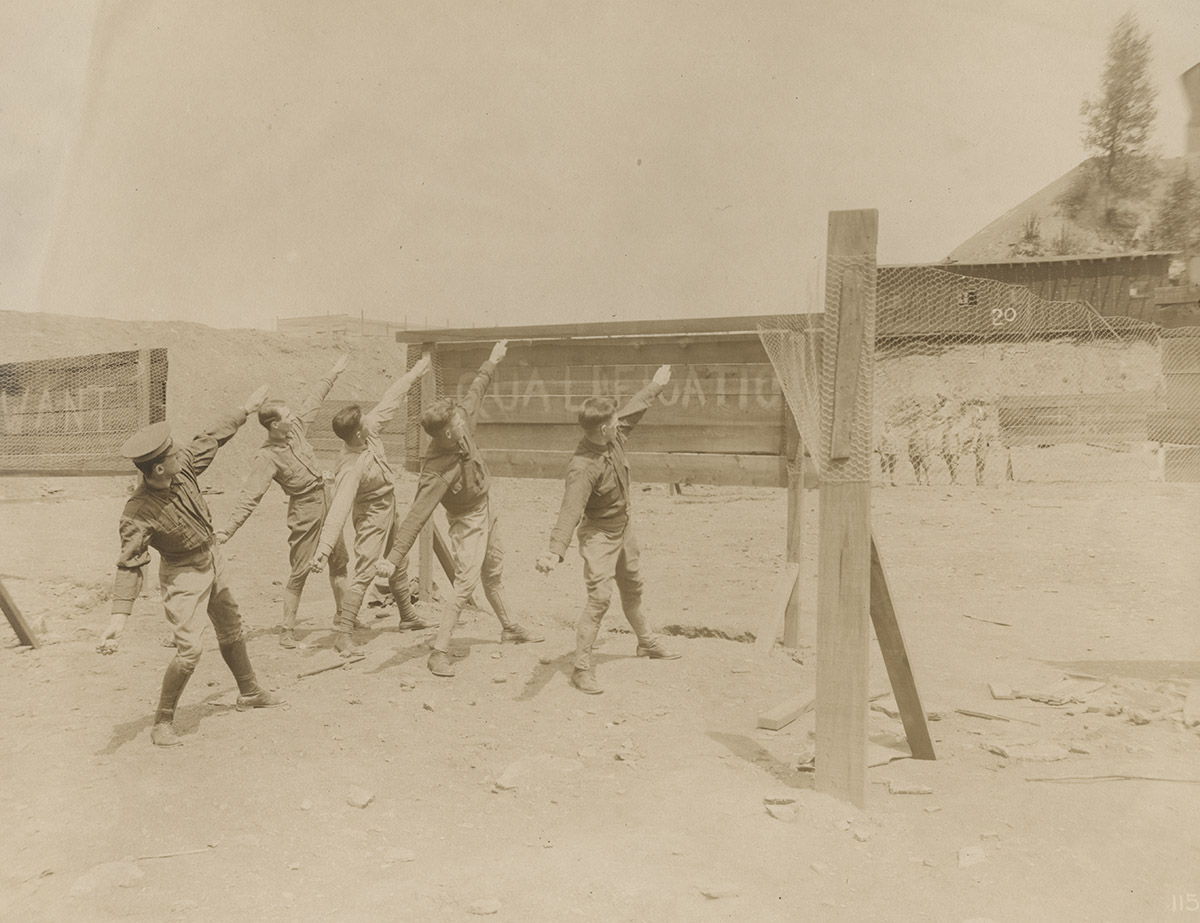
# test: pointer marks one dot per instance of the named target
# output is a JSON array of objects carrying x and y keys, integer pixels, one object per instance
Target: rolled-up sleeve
[
  {"x": 134, "y": 556},
  {"x": 580, "y": 481}
]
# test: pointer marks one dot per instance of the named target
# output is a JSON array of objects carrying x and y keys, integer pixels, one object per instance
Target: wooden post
[
  {"x": 844, "y": 540},
  {"x": 425, "y": 542},
  {"x": 795, "y": 514},
  {"x": 24, "y": 633}
]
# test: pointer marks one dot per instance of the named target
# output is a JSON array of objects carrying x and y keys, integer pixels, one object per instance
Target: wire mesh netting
[
  {"x": 977, "y": 381},
  {"x": 70, "y": 416}
]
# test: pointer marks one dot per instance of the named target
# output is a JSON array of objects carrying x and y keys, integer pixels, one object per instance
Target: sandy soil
[{"x": 505, "y": 790}]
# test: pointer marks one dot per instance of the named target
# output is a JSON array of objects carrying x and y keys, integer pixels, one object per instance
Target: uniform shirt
[
  {"x": 363, "y": 473},
  {"x": 289, "y": 462},
  {"x": 888, "y": 443},
  {"x": 597, "y": 485},
  {"x": 458, "y": 478},
  {"x": 174, "y": 520}
]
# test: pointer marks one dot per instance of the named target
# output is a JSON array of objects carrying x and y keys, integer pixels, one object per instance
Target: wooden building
[{"x": 1115, "y": 285}]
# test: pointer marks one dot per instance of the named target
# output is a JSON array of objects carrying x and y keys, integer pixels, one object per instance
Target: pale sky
[{"x": 509, "y": 162}]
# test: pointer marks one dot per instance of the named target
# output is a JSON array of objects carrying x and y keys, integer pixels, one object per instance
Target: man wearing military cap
[{"x": 167, "y": 512}]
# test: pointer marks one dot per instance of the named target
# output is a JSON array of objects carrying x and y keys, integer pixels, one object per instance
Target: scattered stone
[
  {"x": 971, "y": 855},
  {"x": 545, "y": 660},
  {"x": 484, "y": 907},
  {"x": 499, "y": 679},
  {"x": 819, "y": 867},
  {"x": 862, "y": 836},
  {"x": 427, "y": 706},
  {"x": 1112, "y": 710},
  {"x": 932, "y": 809},
  {"x": 1001, "y": 691},
  {"x": 507, "y": 780},
  {"x": 1138, "y": 717},
  {"x": 359, "y": 797},
  {"x": 716, "y": 892},
  {"x": 784, "y": 812},
  {"x": 496, "y": 655},
  {"x": 123, "y": 874},
  {"x": 305, "y": 805},
  {"x": 930, "y": 863}
]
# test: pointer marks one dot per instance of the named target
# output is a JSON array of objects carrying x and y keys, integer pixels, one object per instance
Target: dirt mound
[{"x": 210, "y": 370}]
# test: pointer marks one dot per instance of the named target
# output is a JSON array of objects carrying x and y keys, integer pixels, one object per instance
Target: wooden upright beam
[
  {"x": 24, "y": 633},
  {"x": 844, "y": 531},
  {"x": 425, "y": 542}
]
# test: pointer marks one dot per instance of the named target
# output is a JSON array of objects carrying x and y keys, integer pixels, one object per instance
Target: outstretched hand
[
  {"x": 499, "y": 351},
  {"x": 318, "y": 562},
  {"x": 422, "y": 366},
  {"x": 663, "y": 375},
  {"x": 546, "y": 562},
  {"x": 340, "y": 365},
  {"x": 254, "y": 401}
]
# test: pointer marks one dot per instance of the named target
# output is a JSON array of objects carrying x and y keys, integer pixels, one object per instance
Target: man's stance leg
[
  {"x": 599, "y": 550},
  {"x": 227, "y": 622},
  {"x": 629, "y": 583}
]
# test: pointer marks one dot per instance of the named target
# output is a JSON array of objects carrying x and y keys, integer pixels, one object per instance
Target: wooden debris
[
  {"x": 1001, "y": 691},
  {"x": 786, "y": 712}
]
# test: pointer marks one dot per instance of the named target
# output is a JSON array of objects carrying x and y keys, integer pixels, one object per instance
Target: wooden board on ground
[{"x": 787, "y": 711}]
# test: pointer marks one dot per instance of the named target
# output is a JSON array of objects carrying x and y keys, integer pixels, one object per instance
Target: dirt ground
[{"x": 505, "y": 793}]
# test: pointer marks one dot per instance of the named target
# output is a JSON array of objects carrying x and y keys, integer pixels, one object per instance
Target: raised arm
[
  {"x": 390, "y": 401},
  {"x": 631, "y": 414},
  {"x": 203, "y": 449},
  {"x": 483, "y": 379},
  {"x": 307, "y": 411},
  {"x": 257, "y": 483}
]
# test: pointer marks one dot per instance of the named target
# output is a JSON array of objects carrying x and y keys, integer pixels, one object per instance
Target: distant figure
[
  {"x": 951, "y": 448},
  {"x": 888, "y": 448},
  {"x": 978, "y": 441},
  {"x": 918, "y": 452}
]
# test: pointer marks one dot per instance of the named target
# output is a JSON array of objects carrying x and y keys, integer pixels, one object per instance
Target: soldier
[
  {"x": 918, "y": 451},
  {"x": 951, "y": 447},
  {"x": 167, "y": 512},
  {"x": 977, "y": 441},
  {"x": 597, "y": 490},
  {"x": 365, "y": 490},
  {"x": 455, "y": 475},
  {"x": 287, "y": 458},
  {"x": 888, "y": 448}
]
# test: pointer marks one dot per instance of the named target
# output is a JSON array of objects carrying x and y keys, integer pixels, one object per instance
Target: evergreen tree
[
  {"x": 1118, "y": 122},
  {"x": 1177, "y": 225}
]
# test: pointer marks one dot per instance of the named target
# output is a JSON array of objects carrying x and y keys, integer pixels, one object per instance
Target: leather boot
[
  {"x": 237, "y": 658},
  {"x": 177, "y": 676},
  {"x": 585, "y": 681},
  {"x": 402, "y": 594},
  {"x": 511, "y": 632},
  {"x": 291, "y": 606}
]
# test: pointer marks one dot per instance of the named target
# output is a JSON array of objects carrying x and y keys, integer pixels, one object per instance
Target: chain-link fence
[{"x": 978, "y": 382}]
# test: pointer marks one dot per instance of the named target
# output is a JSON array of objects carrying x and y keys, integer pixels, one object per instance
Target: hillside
[
  {"x": 210, "y": 370},
  {"x": 1000, "y": 241}
]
